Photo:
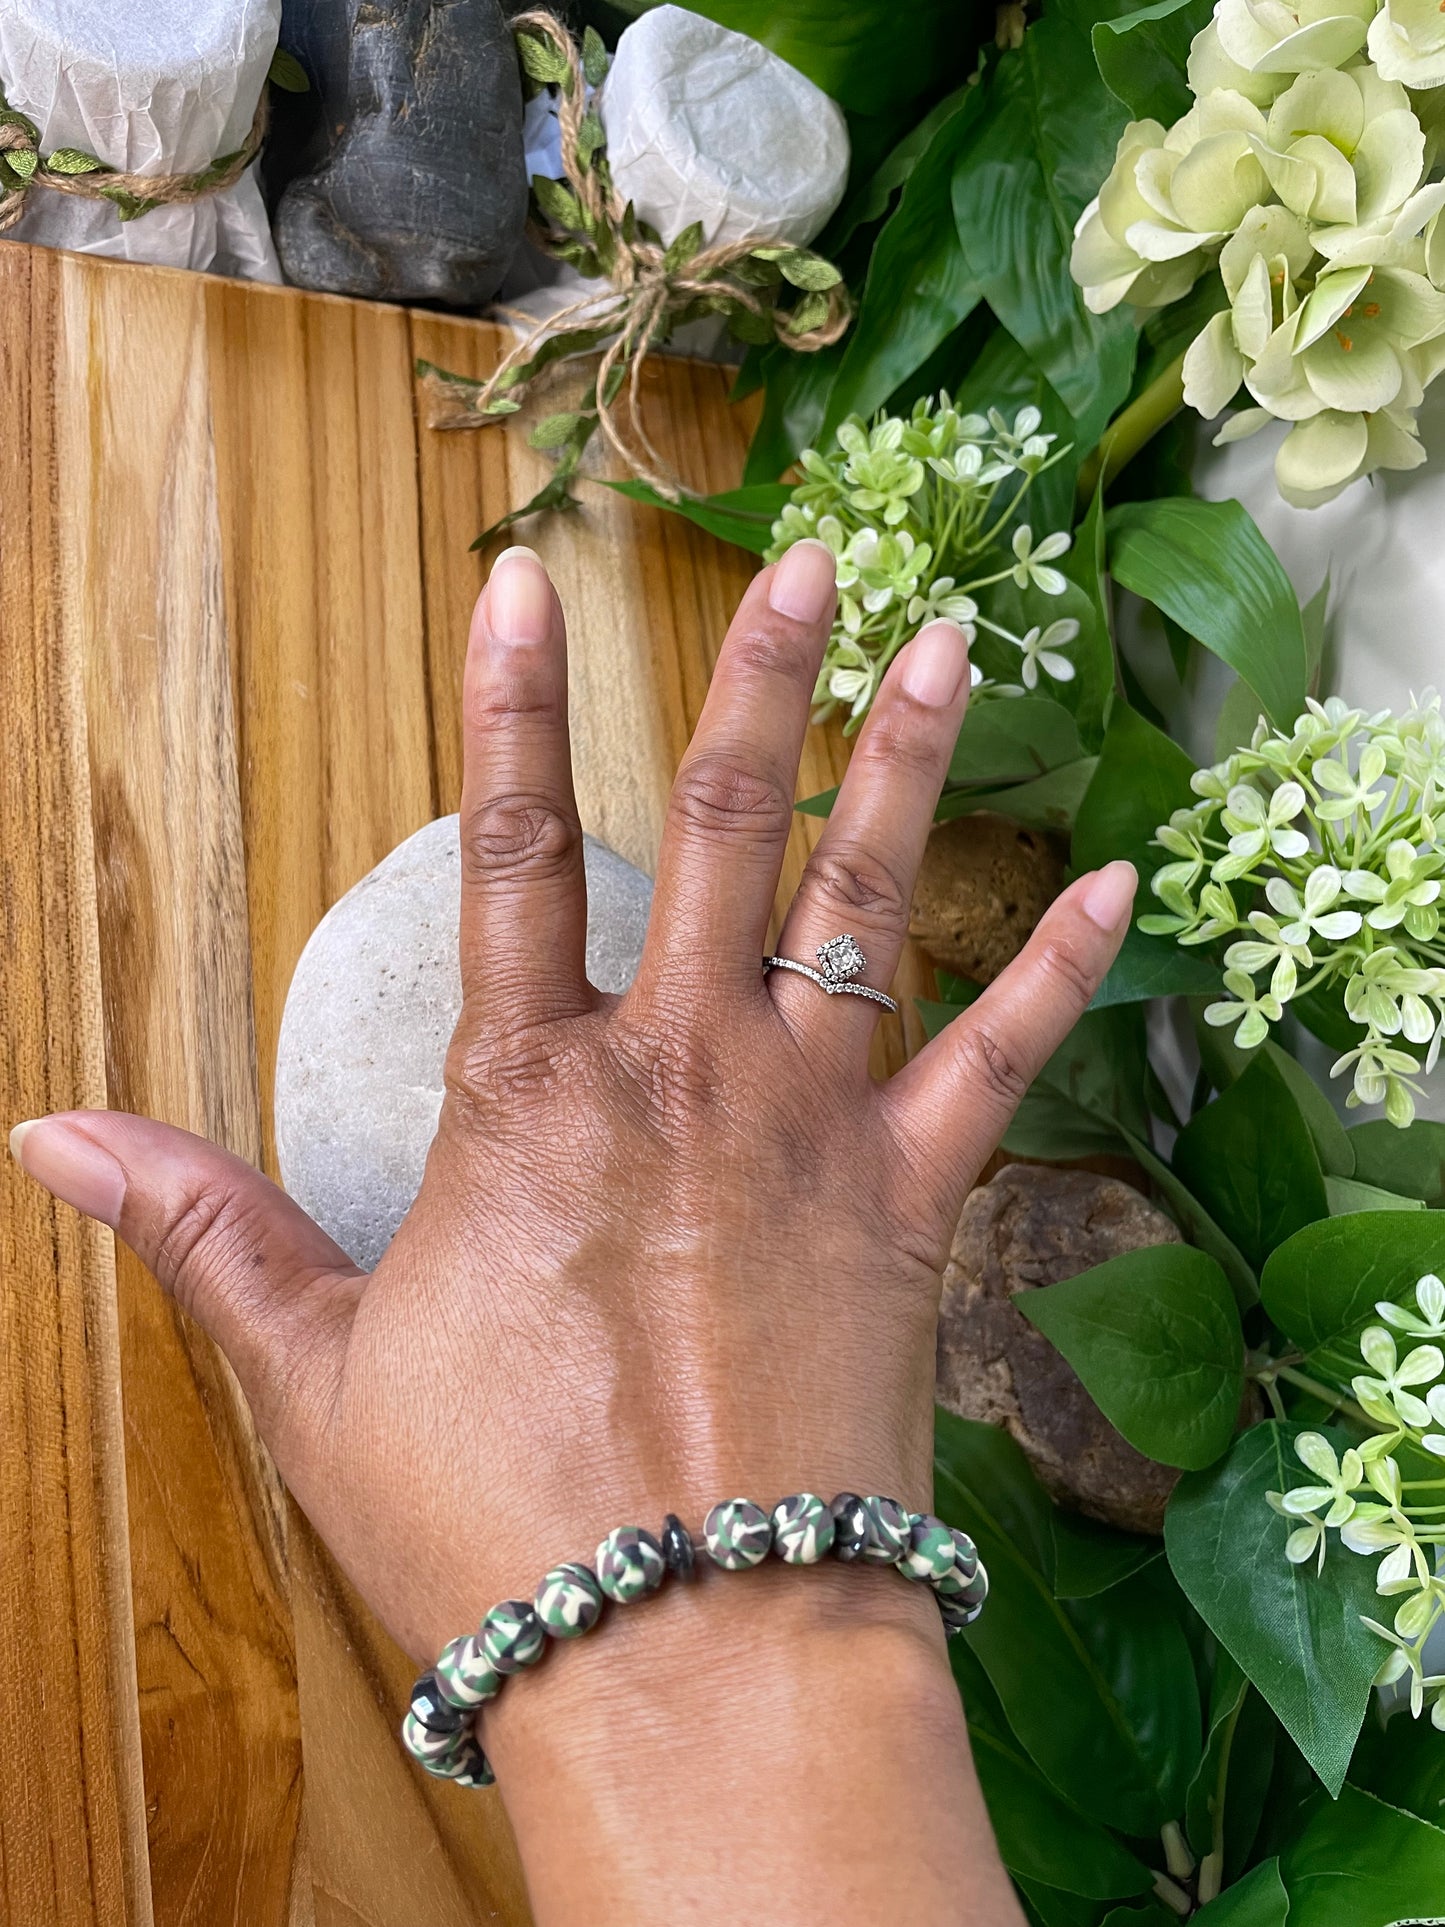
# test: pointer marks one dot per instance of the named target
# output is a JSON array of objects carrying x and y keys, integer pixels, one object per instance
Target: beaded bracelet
[{"x": 631, "y": 1563}]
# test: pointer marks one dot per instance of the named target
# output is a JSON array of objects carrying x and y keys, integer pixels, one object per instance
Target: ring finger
[{"x": 859, "y": 879}]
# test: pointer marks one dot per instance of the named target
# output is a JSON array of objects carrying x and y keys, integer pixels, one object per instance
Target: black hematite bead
[
  {"x": 677, "y": 1547},
  {"x": 850, "y": 1526},
  {"x": 432, "y": 1710}
]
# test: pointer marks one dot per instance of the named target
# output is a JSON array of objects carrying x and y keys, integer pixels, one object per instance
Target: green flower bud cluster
[
  {"x": 1337, "y": 827},
  {"x": 921, "y": 514},
  {"x": 1306, "y": 170},
  {"x": 1364, "y": 1496}
]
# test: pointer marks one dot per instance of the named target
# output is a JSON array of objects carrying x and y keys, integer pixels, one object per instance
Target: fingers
[
  {"x": 524, "y": 892},
  {"x": 732, "y": 803},
  {"x": 953, "y": 1103},
  {"x": 859, "y": 879},
  {"x": 231, "y": 1248}
]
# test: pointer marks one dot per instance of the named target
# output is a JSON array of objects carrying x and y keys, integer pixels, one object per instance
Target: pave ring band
[{"x": 840, "y": 960}]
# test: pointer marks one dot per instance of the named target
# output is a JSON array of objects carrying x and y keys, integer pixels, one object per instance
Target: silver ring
[{"x": 840, "y": 960}]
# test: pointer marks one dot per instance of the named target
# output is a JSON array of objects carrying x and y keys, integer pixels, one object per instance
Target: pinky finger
[{"x": 954, "y": 1102}]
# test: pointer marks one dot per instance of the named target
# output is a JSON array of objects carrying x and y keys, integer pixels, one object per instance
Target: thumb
[{"x": 264, "y": 1280}]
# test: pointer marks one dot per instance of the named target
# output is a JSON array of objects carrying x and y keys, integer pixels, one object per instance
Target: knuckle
[
  {"x": 1065, "y": 966},
  {"x": 519, "y": 835},
  {"x": 719, "y": 796},
  {"x": 206, "y": 1233},
  {"x": 992, "y": 1066},
  {"x": 901, "y": 737},
  {"x": 845, "y": 877},
  {"x": 761, "y": 652}
]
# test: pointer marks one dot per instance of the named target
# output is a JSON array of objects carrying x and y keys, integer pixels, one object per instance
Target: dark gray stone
[{"x": 404, "y": 163}]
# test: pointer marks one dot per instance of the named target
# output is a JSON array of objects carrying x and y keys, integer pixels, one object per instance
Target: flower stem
[
  {"x": 1135, "y": 425},
  {"x": 1267, "y": 1374}
]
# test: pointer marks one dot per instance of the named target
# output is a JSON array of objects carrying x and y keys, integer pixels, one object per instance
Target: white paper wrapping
[
  {"x": 150, "y": 87},
  {"x": 704, "y": 124}
]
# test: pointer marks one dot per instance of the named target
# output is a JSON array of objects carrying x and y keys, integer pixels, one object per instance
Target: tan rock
[
  {"x": 1032, "y": 1226},
  {"x": 984, "y": 883}
]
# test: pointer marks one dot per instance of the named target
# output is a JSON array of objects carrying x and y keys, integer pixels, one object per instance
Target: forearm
[{"x": 777, "y": 1746}]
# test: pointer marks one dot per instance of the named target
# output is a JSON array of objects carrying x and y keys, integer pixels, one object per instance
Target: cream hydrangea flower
[
  {"x": 1343, "y": 148},
  {"x": 1407, "y": 42},
  {"x": 1269, "y": 37}
]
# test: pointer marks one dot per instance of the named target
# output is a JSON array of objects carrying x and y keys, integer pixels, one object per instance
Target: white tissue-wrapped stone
[
  {"x": 153, "y": 87},
  {"x": 704, "y": 124},
  {"x": 369, "y": 1014}
]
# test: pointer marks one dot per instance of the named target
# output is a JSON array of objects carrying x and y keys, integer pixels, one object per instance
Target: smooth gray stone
[
  {"x": 368, "y": 1018},
  {"x": 412, "y": 186}
]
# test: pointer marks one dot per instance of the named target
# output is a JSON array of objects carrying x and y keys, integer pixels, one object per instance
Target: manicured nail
[
  {"x": 70, "y": 1165},
  {"x": 804, "y": 582},
  {"x": 519, "y": 597},
  {"x": 1110, "y": 895},
  {"x": 935, "y": 664}
]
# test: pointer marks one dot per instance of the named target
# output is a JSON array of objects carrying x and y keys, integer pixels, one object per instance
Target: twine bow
[
  {"x": 654, "y": 286},
  {"x": 69, "y": 170}
]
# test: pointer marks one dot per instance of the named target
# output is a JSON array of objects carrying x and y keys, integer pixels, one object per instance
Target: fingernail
[
  {"x": 935, "y": 664},
  {"x": 1110, "y": 895},
  {"x": 70, "y": 1165},
  {"x": 804, "y": 582},
  {"x": 519, "y": 597}
]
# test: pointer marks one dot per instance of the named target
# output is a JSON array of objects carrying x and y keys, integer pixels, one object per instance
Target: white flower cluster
[
  {"x": 1305, "y": 170},
  {"x": 1363, "y": 1495},
  {"x": 915, "y": 511},
  {"x": 1339, "y": 827}
]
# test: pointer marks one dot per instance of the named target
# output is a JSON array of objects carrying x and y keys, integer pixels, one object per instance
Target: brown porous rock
[
  {"x": 1032, "y": 1226},
  {"x": 982, "y": 886}
]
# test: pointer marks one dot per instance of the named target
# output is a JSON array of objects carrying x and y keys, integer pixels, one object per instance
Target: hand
[{"x": 670, "y": 1247}]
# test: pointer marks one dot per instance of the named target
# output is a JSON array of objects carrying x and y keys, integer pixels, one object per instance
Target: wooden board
[{"x": 233, "y": 612}]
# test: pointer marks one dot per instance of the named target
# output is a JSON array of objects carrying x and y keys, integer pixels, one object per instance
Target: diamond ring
[{"x": 840, "y": 960}]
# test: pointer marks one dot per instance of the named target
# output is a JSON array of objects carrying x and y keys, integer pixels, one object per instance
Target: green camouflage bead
[
  {"x": 629, "y": 1564},
  {"x": 975, "y": 1592},
  {"x": 465, "y": 1675},
  {"x": 965, "y": 1554},
  {"x": 469, "y": 1767},
  {"x": 569, "y": 1601},
  {"x": 802, "y": 1529},
  {"x": 929, "y": 1557},
  {"x": 737, "y": 1534},
  {"x": 512, "y": 1636},
  {"x": 432, "y": 1707},
  {"x": 887, "y": 1539},
  {"x": 425, "y": 1745}
]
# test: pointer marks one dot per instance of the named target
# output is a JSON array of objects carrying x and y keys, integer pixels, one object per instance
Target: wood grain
[{"x": 72, "y": 1822}]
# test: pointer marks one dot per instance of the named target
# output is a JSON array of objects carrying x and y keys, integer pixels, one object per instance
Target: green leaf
[
  {"x": 1049, "y": 802},
  {"x": 1090, "y": 1095},
  {"x": 1402, "y": 1761},
  {"x": 1250, "y": 1160},
  {"x": 1332, "y": 1141},
  {"x": 1207, "y": 565},
  {"x": 1155, "y": 967},
  {"x": 595, "y": 60},
  {"x": 1142, "y": 57},
  {"x": 919, "y": 285},
  {"x": 556, "y": 494},
  {"x": 1230, "y": 1788},
  {"x": 1002, "y": 376},
  {"x": 1295, "y": 1632},
  {"x": 742, "y": 516},
  {"x": 1040, "y": 1837},
  {"x": 1034, "y": 161},
  {"x": 1090, "y": 1558},
  {"x": 22, "y": 162},
  {"x": 554, "y": 431},
  {"x": 1349, "y": 1195},
  {"x": 1013, "y": 740},
  {"x": 804, "y": 269},
  {"x": 681, "y": 251},
  {"x": 1049, "y": 1907},
  {"x": 868, "y": 201},
  {"x": 808, "y": 313},
  {"x": 557, "y": 201},
  {"x": 72, "y": 160},
  {"x": 542, "y": 60},
  {"x": 1322, "y": 1286},
  {"x": 1412, "y": 1160},
  {"x": 287, "y": 73},
  {"x": 591, "y": 137},
  {"x": 1093, "y": 653},
  {"x": 1391, "y": 1865},
  {"x": 1153, "y": 1914},
  {"x": 1259, "y": 1900},
  {"x": 1110, "y": 1747},
  {"x": 1155, "y": 1336},
  {"x": 1141, "y": 779},
  {"x": 1194, "y": 1221}
]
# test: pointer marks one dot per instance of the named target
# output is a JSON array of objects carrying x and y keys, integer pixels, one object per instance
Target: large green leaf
[
  {"x": 795, "y": 400},
  {"x": 869, "y": 199},
  {"x": 1228, "y": 1793},
  {"x": 1295, "y": 1632},
  {"x": 1321, "y": 1286},
  {"x": 1040, "y": 1836},
  {"x": 1402, "y": 1761},
  {"x": 1048, "y": 802},
  {"x": 1194, "y": 1221},
  {"x": 858, "y": 51},
  {"x": 1155, "y": 1336},
  {"x": 1058, "y": 1685},
  {"x": 1259, "y": 1900},
  {"x": 1250, "y": 1160},
  {"x": 1012, "y": 741},
  {"x": 1042, "y": 145},
  {"x": 1141, "y": 780},
  {"x": 1143, "y": 56},
  {"x": 1365, "y": 1863},
  {"x": 1092, "y": 654},
  {"x": 1090, "y": 1558},
  {"x": 742, "y": 516},
  {"x": 1207, "y": 565},
  {"x": 1412, "y": 1160}
]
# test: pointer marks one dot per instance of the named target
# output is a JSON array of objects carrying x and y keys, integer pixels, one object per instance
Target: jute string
[
  {"x": 643, "y": 300},
  {"x": 109, "y": 184}
]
